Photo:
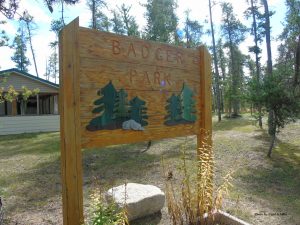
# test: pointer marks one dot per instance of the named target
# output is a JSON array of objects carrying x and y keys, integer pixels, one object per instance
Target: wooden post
[
  {"x": 205, "y": 95},
  {"x": 205, "y": 132},
  {"x": 37, "y": 104},
  {"x": 14, "y": 108},
  {"x": 71, "y": 164}
]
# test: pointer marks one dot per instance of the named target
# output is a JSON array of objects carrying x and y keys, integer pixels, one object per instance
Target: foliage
[
  {"x": 99, "y": 20},
  {"x": 234, "y": 33},
  {"x": 130, "y": 25},
  {"x": 30, "y": 27},
  {"x": 289, "y": 50},
  {"x": 26, "y": 93},
  {"x": 52, "y": 63},
  {"x": 9, "y": 7},
  {"x": 277, "y": 96},
  {"x": 3, "y": 36},
  {"x": 117, "y": 23},
  {"x": 257, "y": 30},
  {"x": 161, "y": 20},
  {"x": 9, "y": 95},
  {"x": 192, "y": 31},
  {"x": 195, "y": 203},
  {"x": 19, "y": 45},
  {"x": 106, "y": 213},
  {"x": 257, "y": 27}
]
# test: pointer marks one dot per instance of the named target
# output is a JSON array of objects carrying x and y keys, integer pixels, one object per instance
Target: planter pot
[{"x": 223, "y": 218}]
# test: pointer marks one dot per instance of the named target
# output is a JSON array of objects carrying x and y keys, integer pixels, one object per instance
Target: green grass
[
  {"x": 272, "y": 184},
  {"x": 30, "y": 182}
]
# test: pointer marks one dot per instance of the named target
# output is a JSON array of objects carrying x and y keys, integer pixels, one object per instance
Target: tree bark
[
  {"x": 31, "y": 47},
  {"x": 256, "y": 60},
  {"x": 297, "y": 63},
  {"x": 93, "y": 14},
  {"x": 271, "y": 116},
  {"x": 217, "y": 76},
  {"x": 271, "y": 145},
  {"x": 268, "y": 38}
]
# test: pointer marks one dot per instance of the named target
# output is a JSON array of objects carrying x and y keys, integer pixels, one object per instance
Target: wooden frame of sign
[{"x": 117, "y": 89}]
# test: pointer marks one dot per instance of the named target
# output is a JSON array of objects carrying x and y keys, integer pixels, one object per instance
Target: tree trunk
[
  {"x": 217, "y": 76},
  {"x": 31, "y": 47},
  {"x": 271, "y": 145},
  {"x": 268, "y": 38},
  {"x": 297, "y": 64},
  {"x": 62, "y": 12},
  {"x": 272, "y": 130},
  {"x": 256, "y": 60},
  {"x": 271, "y": 117},
  {"x": 93, "y": 14}
]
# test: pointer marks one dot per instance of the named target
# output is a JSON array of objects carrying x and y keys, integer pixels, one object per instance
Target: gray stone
[
  {"x": 132, "y": 125},
  {"x": 140, "y": 200}
]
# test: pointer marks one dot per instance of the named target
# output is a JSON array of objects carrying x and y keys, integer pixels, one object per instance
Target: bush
[{"x": 106, "y": 213}]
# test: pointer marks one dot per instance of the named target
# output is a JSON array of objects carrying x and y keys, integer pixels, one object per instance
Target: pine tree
[
  {"x": 174, "y": 110},
  {"x": 56, "y": 27},
  {"x": 216, "y": 68},
  {"x": 161, "y": 20},
  {"x": 192, "y": 31},
  {"x": 19, "y": 57},
  {"x": 99, "y": 20},
  {"x": 138, "y": 111},
  {"x": 30, "y": 27},
  {"x": 8, "y": 8},
  {"x": 289, "y": 50},
  {"x": 258, "y": 32},
  {"x": 105, "y": 107},
  {"x": 234, "y": 33},
  {"x": 53, "y": 65},
  {"x": 130, "y": 25},
  {"x": 188, "y": 104},
  {"x": 117, "y": 23},
  {"x": 3, "y": 36},
  {"x": 121, "y": 107}
]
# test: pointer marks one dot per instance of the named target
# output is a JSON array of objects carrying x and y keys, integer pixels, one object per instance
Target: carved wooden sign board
[{"x": 117, "y": 89}]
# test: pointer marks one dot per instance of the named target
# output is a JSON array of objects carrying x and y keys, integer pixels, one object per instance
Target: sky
[{"x": 198, "y": 11}]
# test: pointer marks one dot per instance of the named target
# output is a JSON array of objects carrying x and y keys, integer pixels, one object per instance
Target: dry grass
[
  {"x": 195, "y": 204},
  {"x": 30, "y": 184}
]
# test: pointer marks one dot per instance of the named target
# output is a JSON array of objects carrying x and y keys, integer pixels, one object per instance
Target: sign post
[{"x": 116, "y": 89}]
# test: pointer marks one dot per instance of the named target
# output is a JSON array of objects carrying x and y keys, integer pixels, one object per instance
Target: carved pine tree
[
  {"x": 105, "y": 107},
  {"x": 174, "y": 110},
  {"x": 138, "y": 111},
  {"x": 121, "y": 107},
  {"x": 188, "y": 104}
]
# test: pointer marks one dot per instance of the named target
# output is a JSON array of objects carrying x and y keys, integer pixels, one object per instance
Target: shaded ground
[{"x": 266, "y": 191}]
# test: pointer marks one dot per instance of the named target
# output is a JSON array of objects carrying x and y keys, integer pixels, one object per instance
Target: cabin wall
[
  {"x": 28, "y": 124},
  {"x": 18, "y": 81}
]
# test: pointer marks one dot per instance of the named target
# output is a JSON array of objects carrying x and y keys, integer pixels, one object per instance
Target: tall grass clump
[
  {"x": 105, "y": 212},
  {"x": 193, "y": 203}
]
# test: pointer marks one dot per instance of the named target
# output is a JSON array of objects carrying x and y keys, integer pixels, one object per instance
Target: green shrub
[{"x": 106, "y": 213}]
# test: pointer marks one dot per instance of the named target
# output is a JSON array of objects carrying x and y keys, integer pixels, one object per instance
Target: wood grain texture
[
  {"x": 152, "y": 71},
  {"x": 71, "y": 164},
  {"x": 204, "y": 137},
  {"x": 205, "y": 123}
]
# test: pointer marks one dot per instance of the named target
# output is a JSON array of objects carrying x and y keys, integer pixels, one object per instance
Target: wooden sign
[{"x": 117, "y": 89}]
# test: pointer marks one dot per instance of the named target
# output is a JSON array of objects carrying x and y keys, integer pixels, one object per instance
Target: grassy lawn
[{"x": 266, "y": 191}]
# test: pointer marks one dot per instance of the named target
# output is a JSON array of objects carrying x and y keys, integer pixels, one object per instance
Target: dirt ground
[{"x": 265, "y": 192}]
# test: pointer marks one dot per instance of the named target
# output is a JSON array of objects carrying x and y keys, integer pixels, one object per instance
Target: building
[{"x": 38, "y": 114}]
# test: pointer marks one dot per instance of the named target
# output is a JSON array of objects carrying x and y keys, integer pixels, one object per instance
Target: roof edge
[{"x": 25, "y": 74}]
